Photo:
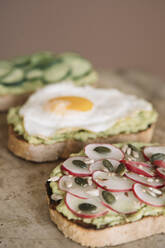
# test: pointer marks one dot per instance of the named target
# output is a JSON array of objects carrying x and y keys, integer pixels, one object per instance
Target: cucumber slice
[
  {"x": 16, "y": 75},
  {"x": 42, "y": 60},
  {"x": 34, "y": 74},
  {"x": 5, "y": 68},
  {"x": 21, "y": 61},
  {"x": 90, "y": 78},
  {"x": 56, "y": 72},
  {"x": 80, "y": 66}
]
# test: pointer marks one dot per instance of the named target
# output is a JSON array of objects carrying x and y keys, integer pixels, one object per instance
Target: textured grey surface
[{"x": 24, "y": 217}]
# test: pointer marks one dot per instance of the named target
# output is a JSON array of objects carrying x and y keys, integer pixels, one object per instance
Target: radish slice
[
  {"x": 159, "y": 163},
  {"x": 147, "y": 195},
  {"x": 161, "y": 172},
  {"x": 140, "y": 168},
  {"x": 98, "y": 165},
  {"x": 68, "y": 184},
  {"x": 151, "y": 182},
  {"x": 103, "y": 151},
  {"x": 111, "y": 182},
  {"x": 74, "y": 169},
  {"x": 151, "y": 150},
  {"x": 125, "y": 203},
  {"x": 74, "y": 204}
]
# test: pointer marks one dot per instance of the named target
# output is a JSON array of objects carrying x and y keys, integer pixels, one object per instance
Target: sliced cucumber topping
[
  {"x": 48, "y": 68},
  {"x": 16, "y": 75},
  {"x": 34, "y": 74},
  {"x": 5, "y": 68},
  {"x": 56, "y": 72}
]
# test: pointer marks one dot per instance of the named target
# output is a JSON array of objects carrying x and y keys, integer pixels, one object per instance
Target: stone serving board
[{"x": 24, "y": 217}]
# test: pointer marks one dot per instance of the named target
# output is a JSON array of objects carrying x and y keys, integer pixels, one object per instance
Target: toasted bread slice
[
  {"x": 52, "y": 152},
  {"x": 108, "y": 236},
  {"x": 8, "y": 101},
  {"x": 98, "y": 232}
]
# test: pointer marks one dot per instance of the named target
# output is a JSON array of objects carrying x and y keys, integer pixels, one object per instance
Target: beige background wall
[{"x": 112, "y": 33}]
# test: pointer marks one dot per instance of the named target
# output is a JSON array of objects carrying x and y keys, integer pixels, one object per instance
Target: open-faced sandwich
[
  {"x": 21, "y": 76},
  {"x": 61, "y": 118},
  {"x": 108, "y": 195}
]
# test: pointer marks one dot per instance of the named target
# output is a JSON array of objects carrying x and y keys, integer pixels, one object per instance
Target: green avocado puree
[{"x": 137, "y": 122}]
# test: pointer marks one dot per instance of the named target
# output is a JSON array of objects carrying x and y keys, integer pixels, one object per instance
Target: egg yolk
[{"x": 61, "y": 104}]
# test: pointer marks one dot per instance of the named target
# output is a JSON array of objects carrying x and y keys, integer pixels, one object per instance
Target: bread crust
[
  {"x": 8, "y": 101},
  {"x": 52, "y": 152},
  {"x": 109, "y": 236}
]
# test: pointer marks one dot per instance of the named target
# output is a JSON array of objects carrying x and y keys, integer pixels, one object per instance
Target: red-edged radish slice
[
  {"x": 147, "y": 195},
  {"x": 125, "y": 203},
  {"x": 98, "y": 165},
  {"x": 140, "y": 168},
  {"x": 159, "y": 163},
  {"x": 151, "y": 182},
  {"x": 161, "y": 172},
  {"x": 74, "y": 169},
  {"x": 103, "y": 151},
  {"x": 73, "y": 203},
  {"x": 151, "y": 150},
  {"x": 111, "y": 182},
  {"x": 68, "y": 184}
]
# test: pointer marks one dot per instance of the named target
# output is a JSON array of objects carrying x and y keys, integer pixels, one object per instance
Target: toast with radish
[{"x": 105, "y": 194}]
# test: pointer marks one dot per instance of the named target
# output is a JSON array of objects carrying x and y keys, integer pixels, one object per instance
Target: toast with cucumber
[
  {"x": 109, "y": 194},
  {"x": 61, "y": 119},
  {"x": 21, "y": 76}
]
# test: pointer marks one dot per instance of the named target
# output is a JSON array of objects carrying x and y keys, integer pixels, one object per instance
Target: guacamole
[
  {"x": 111, "y": 218},
  {"x": 137, "y": 122}
]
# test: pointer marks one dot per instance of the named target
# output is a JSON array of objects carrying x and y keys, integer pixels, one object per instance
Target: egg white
[{"x": 109, "y": 106}]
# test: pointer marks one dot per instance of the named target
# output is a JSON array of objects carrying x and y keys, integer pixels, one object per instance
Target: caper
[
  {"x": 108, "y": 197},
  {"x": 108, "y": 165},
  {"x": 157, "y": 156},
  {"x": 102, "y": 149},
  {"x": 121, "y": 169},
  {"x": 79, "y": 163},
  {"x": 87, "y": 207},
  {"x": 81, "y": 181}
]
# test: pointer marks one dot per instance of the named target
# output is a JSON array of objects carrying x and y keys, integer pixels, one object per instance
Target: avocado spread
[
  {"x": 111, "y": 218},
  {"x": 139, "y": 121}
]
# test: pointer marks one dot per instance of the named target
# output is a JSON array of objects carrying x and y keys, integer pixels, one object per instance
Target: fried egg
[{"x": 64, "y": 107}]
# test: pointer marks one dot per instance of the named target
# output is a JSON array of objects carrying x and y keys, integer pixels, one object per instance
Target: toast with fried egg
[{"x": 61, "y": 119}]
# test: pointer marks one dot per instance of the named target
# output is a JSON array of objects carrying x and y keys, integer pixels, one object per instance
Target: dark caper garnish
[
  {"x": 102, "y": 149},
  {"x": 79, "y": 163},
  {"x": 121, "y": 169},
  {"x": 81, "y": 181},
  {"x": 87, "y": 207},
  {"x": 157, "y": 156},
  {"x": 108, "y": 165},
  {"x": 108, "y": 197}
]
